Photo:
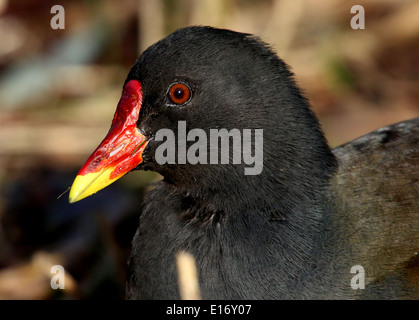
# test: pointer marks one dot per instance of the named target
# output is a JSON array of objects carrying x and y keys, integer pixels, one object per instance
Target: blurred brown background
[{"x": 59, "y": 90}]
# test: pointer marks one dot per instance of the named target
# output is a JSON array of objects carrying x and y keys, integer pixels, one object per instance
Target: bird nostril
[{"x": 116, "y": 151}]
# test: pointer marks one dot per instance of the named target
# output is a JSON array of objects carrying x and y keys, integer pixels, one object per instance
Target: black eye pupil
[{"x": 179, "y": 93}]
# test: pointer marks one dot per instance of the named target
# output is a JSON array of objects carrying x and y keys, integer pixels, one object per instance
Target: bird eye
[{"x": 179, "y": 93}]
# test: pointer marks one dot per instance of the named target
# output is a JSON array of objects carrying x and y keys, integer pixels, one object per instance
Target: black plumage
[{"x": 295, "y": 230}]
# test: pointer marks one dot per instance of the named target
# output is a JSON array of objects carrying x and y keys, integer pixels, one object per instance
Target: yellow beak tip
[
  {"x": 86, "y": 185},
  {"x": 73, "y": 199},
  {"x": 77, "y": 191}
]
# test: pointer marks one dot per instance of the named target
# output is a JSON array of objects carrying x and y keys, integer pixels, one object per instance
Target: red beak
[{"x": 120, "y": 151}]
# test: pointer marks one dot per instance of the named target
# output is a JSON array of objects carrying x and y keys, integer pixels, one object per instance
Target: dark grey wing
[{"x": 377, "y": 186}]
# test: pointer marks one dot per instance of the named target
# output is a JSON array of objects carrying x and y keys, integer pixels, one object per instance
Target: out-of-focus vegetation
[{"x": 59, "y": 90}]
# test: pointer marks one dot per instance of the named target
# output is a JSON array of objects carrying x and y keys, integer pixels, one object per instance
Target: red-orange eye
[{"x": 179, "y": 93}]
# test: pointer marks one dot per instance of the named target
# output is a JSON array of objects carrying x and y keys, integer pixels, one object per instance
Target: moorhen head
[{"x": 250, "y": 186}]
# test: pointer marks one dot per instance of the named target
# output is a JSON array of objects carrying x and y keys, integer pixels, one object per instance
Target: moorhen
[{"x": 279, "y": 215}]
